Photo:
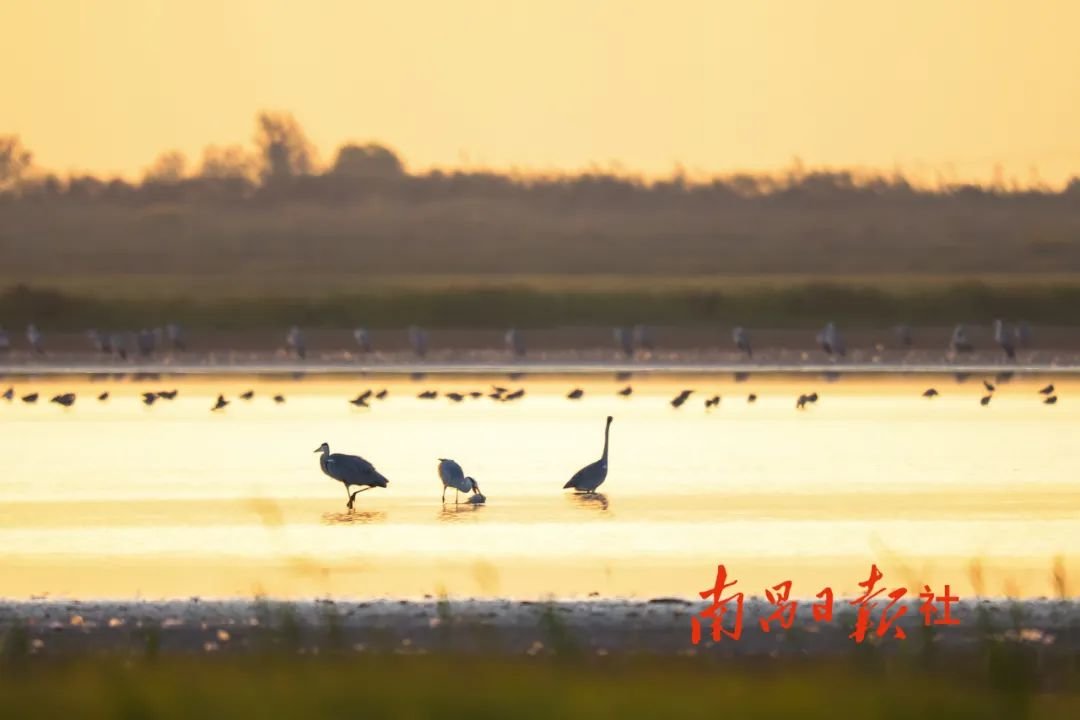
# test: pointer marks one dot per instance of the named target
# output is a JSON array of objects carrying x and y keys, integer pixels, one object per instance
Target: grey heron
[
  {"x": 590, "y": 477},
  {"x": 624, "y": 338},
  {"x": 1048, "y": 390},
  {"x": 831, "y": 341},
  {"x": 515, "y": 342},
  {"x": 741, "y": 338},
  {"x": 959, "y": 342},
  {"x": 1004, "y": 339},
  {"x": 350, "y": 471},
  {"x": 363, "y": 339},
  {"x": 418, "y": 340},
  {"x": 453, "y": 476},
  {"x": 294, "y": 341},
  {"x": 33, "y": 336}
]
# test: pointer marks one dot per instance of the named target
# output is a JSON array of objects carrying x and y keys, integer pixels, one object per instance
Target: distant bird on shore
[
  {"x": 418, "y": 341},
  {"x": 476, "y": 394},
  {"x": 626, "y": 391},
  {"x": 515, "y": 342},
  {"x": 351, "y": 471},
  {"x": 453, "y": 476},
  {"x": 221, "y": 403},
  {"x": 34, "y": 337},
  {"x": 65, "y": 399},
  {"x": 741, "y": 338},
  {"x": 247, "y": 395},
  {"x": 590, "y": 477},
  {"x": 959, "y": 342},
  {"x": 9, "y": 394},
  {"x": 149, "y": 398},
  {"x": 119, "y": 344},
  {"x": 712, "y": 402},
  {"x": 989, "y": 386},
  {"x": 742, "y": 376},
  {"x": 1022, "y": 335},
  {"x": 575, "y": 394},
  {"x": 103, "y": 396},
  {"x": 99, "y": 341},
  {"x": 455, "y": 396},
  {"x": 279, "y": 399},
  {"x": 381, "y": 395},
  {"x": 679, "y": 399},
  {"x": 812, "y": 398},
  {"x": 985, "y": 400},
  {"x": 359, "y": 401},
  {"x": 145, "y": 342},
  {"x": 516, "y": 395},
  {"x": 624, "y": 339},
  {"x": 930, "y": 393},
  {"x": 31, "y": 398},
  {"x": 1052, "y": 400},
  {"x": 1004, "y": 339},
  {"x": 1048, "y": 390},
  {"x": 751, "y": 398},
  {"x": 643, "y": 338},
  {"x": 800, "y": 403},
  {"x": 363, "y": 339},
  {"x": 428, "y": 395},
  {"x": 294, "y": 341},
  {"x": 168, "y": 394}
]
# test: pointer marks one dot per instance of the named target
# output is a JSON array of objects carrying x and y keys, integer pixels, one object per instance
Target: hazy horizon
[{"x": 966, "y": 91}]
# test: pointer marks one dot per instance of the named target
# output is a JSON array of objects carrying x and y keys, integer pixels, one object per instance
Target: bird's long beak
[{"x": 318, "y": 449}]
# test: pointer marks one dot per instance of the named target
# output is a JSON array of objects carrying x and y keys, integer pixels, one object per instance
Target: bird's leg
[
  {"x": 444, "y": 494},
  {"x": 456, "y": 494},
  {"x": 349, "y": 505}
]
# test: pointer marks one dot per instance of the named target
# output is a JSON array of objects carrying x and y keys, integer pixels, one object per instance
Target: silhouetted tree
[
  {"x": 284, "y": 150},
  {"x": 230, "y": 162},
  {"x": 168, "y": 168},
  {"x": 371, "y": 161},
  {"x": 15, "y": 160}
]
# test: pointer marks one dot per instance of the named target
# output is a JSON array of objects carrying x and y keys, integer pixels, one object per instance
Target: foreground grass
[
  {"x": 533, "y": 302},
  {"x": 427, "y": 686}
]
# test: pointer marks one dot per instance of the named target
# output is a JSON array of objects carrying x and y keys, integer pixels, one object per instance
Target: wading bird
[
  {"x": 103, "y": 396},
  {"x": 575, "y": 394},
  {"x": 985, "y": 400},
  {"x": 515, "y": 342},
  {"x": 590, "y": 477},
  {"x": 1052, "y": 400},
  {"x": 221, "y": 403},
  {"x": 1004, "y": 340},
  {"x": 679, "y": 399},
  {"x": 1048, "y": 390},
  {"x": 33, "y": 336},
  {"x": 741, "y": 338},
  {"x": 31, "y": 398},
  {"x": 247, "y": 395},
  {"x": 418, "y": 340},
  {"x": 831, "y": 341},
  {"x": 930, "y": 393},
  {"x": 66, "y": 399},
  {"x": 350, "y": 471},
  {"x": 626, "y": 391},
  {"x": 453, "y": 476},
  {"x": 9, "y": 394}
]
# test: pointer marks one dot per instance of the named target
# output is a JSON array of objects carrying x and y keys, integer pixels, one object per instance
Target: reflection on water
[{"x": 120, "y": 499}]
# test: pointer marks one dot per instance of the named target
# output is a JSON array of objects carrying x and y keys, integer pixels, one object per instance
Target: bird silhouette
[
  {"x": 712, "y": 402},
  {"x": 517, "y": 394},
  {"x": 812, "y": 397},
  {"x": 65, "y": 399},
  {"x": 452, "y": 476},
  {"x": 279, "y": 399},
  {"x": 1048, "y": 390},
  {"x": 351, "y": 471},
  {"x": 31, "y": 398},
  {"x": 456, "y": 397},
  {"x": 9, "y": 394},
  {"x": 985, "y": 400},
  {"x": 679, "y": 399},
  {"x": 359, "y": 401},
  {"x": 575, "y": 394},
  {"x": 590, "y": 477},
  {"x": 103, "y": 396},
  {"x": 1052, "y": 400},
  {"x": 428, "y": 395},
  {"x": 168, "y": 394},
  {"x": 751, "y": 398},
  {"x": 247, "y": 395},
  {"x": 626, "y": 391},
  {"x": 800, "y": 404},
  {"x": 989, "y": 386},
  {"x": 221, "y": 403},
  {"x": 381, "y": 395},
  {"x": 149, "y": 398},
  {"x": 929, "y": 393}
]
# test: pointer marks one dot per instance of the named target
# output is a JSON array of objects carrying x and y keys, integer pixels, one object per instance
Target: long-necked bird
[
  {"x": 590, "y": 477},
  {"x": 350, "y": 471},
  {"x": 453, "y": 476}
]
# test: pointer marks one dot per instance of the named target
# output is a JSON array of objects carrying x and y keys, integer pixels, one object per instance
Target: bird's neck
[{"x": 607, "y": 431}]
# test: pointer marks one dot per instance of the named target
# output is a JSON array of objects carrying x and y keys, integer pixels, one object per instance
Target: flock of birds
[
  {"x": 628, "y": 340},
  {"x": 353, "y": 471}
]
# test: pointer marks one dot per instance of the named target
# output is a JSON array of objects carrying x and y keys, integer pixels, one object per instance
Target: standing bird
[
  {"x": 751, "y": 398},
  {"x": 624, "y": 338},
  {"x": 590, "y": 477},
  {"x": 247, "y": 395},
  {"x": 800, "y": 404},
  {"x": 575, "y": 394},
  {"x": 363, "y": 339},
  {"x": 119, "y": 344},
  {"x": 9, "y": 394},
  {"x": 515, "y": 342},
  {"x": 145, "y": 342},
  {"x": 959, "y": 342},
  {"x": 453, "y": 476},
  {"x": 99, "y": 341},
  {"x": 930, "y": 393},
  {"x": 220, "y": 404},
  {"x": 1052, "y": 400},
  {"x": 149, "y": 398},
  {"x": 626, "y": 391},
  {"x": 1048, "y": 390},
  {"x": 33, "y": 336},
  {"x": 294, "y": 341},
  {"x": 985, "y": 400},
  {"x": 103, "y": 396},
  {"x": 31, "y": 398},
  {"x": 714, "y": 401},
  {"x": 741, "y": 338},
  {"x": 175, "y": 335},
  {"x": 418, "y": 340},
  {"x": 350, "y": 471},
  {"x": 679, "y": 399},
  {"x": 279, "y": 399},
  {"x": 643, "y": 338},
  {"x": 989, "y": 386},
  {"x": 381, "y": 395},
  {"x": 359, "y": 401},
  {"x": 66, "y": 399},
  {"x": 1004, "y": 339}
]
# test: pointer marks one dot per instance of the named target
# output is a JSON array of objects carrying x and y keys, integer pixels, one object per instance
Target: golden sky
[{"x": 932, "y": 86}]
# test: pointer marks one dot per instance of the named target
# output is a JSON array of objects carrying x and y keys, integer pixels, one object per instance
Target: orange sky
[{"x": 930, "y": 86}]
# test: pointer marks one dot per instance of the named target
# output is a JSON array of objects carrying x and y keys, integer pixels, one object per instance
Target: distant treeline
[{"x": 273, "y": 210}]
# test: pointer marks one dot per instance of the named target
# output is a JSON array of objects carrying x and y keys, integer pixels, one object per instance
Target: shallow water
[{"x": 116, "y": 499}]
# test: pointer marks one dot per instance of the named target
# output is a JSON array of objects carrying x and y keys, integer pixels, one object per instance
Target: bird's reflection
[
  {"x": 354, "y": 517},
  {"x": 592, "y": 501},
  {"x": 457, "y": 512}
]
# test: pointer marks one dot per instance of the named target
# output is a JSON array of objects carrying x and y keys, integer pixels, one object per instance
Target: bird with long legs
[
  {"x": 590, "y": 477},
  {"x": 351, "y": 471},
  {"x": 453, "y": 476}
]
